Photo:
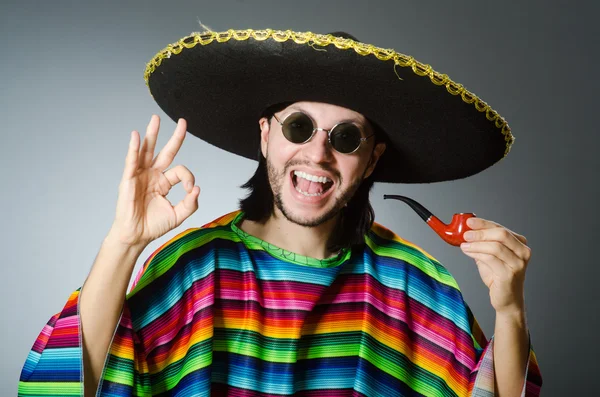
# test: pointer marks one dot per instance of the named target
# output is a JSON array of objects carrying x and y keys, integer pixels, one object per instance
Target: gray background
[{"x": 72, "y": 89}]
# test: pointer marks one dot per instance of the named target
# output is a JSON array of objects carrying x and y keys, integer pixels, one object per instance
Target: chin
[{"x": 306, "y": 215}]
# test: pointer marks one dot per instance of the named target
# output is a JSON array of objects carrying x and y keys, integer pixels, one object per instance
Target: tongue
[{"x": 308, "y": 186}]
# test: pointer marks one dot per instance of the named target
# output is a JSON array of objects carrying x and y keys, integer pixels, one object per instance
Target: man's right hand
[
  {"x": 143, "y": 212},
  {"x": 143, "y": 215}
]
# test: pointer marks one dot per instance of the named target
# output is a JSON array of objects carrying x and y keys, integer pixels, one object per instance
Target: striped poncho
[{"x": 215, "y": 311}]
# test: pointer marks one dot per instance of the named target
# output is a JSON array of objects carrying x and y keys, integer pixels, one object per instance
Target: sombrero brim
[{"x": 222, "y": 82}]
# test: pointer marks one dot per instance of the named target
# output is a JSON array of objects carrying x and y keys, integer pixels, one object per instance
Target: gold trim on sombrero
[{"x": 323, "y": 40}]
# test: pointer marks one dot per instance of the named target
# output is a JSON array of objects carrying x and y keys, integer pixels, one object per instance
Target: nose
[{"x": 318, "y": 150}]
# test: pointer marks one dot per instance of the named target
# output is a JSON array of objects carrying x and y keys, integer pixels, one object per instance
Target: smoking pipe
[{"x": 452, "y": 233}]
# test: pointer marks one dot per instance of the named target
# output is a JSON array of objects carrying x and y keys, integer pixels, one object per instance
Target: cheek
[
  {"x": 280, "y": 149},
  {"x": 353, "y": 168}
]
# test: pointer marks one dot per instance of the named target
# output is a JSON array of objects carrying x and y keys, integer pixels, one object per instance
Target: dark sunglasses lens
[
  {"x": 345, "y": 138},
  {"x": 297, "y": 127}
]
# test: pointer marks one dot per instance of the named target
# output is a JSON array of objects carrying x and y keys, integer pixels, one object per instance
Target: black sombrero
[{"x": 221, "y": 82}]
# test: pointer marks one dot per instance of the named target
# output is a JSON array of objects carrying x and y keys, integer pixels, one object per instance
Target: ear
[
  {"x": 377, "y": 152},
  {"x": 265, "y": 128}
]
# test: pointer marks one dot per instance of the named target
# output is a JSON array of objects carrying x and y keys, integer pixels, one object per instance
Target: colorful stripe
[{"x": 217, "y": 312}]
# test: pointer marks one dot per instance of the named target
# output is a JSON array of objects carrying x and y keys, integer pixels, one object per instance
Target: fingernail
[
  {"x": 465, "y": 245},
  {"x": 469, "y": 235},
  {"x": 471, "y": 222}
]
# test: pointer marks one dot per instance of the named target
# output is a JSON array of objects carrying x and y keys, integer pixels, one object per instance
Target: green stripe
[{"x": 50, "y": 388}]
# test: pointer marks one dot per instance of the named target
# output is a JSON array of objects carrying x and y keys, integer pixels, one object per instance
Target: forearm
[
  {"x": 101, "y": 302},
  {"x": 511, "y": 350}
]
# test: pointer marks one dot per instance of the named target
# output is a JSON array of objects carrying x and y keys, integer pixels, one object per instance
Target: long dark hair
[{"x": 355, "y": 219}]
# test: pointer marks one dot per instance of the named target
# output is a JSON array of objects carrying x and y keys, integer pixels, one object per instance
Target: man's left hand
[{"x": 501, "y": 256}]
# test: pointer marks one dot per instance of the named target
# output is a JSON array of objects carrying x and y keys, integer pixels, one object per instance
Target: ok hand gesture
[{"x": 143, "y": 212}]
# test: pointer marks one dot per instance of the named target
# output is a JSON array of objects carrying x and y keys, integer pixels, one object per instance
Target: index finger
[
  {"x": 480, "y": 223},
  {"x": 132, "y": 158},
  {"x": 168, "y": 153}
]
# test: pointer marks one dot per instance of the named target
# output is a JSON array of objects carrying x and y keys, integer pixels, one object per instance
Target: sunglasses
[{"x": 299, "y": 128}]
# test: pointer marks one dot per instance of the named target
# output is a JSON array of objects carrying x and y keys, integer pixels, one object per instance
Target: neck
[{"x": 302, "y": 240}]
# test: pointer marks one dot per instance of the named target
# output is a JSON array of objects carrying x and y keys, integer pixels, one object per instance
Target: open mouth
[{"x": 310, "y": 185}]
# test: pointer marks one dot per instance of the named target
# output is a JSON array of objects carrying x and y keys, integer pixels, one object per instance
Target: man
[{"x": 299, "y": 293}]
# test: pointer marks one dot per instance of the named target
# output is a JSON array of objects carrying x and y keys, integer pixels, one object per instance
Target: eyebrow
[{"x": 364, "y": 126}]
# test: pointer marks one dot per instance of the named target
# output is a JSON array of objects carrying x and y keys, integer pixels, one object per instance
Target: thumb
[{"x": 187, "y": 206}]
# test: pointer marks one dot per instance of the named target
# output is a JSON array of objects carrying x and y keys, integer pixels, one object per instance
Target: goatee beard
[{"x": 276, "y": 181}]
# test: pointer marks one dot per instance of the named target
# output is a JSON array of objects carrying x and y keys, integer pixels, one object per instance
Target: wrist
[
  {"x": 515, "y": 316},
  {"x": 116, "y": 245},
  {"x": 117, "y": 239}
]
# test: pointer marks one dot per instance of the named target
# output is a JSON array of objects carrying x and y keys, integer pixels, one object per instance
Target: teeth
[
  {"x": 312, "y": 178},
  {"x": 308, "y": 194}
]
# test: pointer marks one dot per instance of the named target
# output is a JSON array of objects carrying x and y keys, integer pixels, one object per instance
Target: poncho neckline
[{"x": 253, "y": 242}]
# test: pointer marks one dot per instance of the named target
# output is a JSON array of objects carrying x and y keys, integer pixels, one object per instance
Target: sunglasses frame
[{"x": 315, "y": 129}]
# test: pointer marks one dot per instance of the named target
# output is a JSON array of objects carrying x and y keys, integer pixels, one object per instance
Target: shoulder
[
  {"x": 165, "y": 256},
  {"x": 425, "y": 279},
  {"x": 384, "y": 243}
]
